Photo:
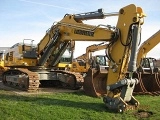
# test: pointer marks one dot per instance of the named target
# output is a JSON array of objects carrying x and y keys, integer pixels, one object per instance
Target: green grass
[{"x": 67, "y": 106}]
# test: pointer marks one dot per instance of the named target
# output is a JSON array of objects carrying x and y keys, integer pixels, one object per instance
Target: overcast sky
[{"x": 29, "y": 19}]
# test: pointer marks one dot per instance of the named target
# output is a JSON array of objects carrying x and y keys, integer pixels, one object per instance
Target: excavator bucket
[
  {"x": 148, "y": 83},
  {"x": 95, "y": 82}
]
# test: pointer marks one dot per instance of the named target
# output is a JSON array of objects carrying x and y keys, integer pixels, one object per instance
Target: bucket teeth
[{"x": 148, "y": 84}]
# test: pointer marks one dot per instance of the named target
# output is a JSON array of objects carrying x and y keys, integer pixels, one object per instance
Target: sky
[{"x": 30, "y": 19}]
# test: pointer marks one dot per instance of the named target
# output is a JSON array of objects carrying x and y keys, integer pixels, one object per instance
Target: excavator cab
[
  {"x": 100, "y": 62},
  {"x": 148, "y": 65}
]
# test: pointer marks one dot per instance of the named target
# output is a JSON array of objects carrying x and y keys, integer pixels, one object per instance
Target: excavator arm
[{"x": 119, "y": 88}]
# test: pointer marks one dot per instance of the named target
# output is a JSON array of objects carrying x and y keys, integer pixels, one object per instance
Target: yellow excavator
[
  {"x": 147, "y": 70},
  {"x": 84, "y": 62},
  {"x": 30, "y": 65}
]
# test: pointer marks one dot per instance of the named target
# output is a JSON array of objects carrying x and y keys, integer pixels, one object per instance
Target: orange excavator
[{"x": 29, "y": 66}]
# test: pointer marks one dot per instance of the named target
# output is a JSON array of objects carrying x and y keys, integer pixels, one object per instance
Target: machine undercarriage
[{"x": 28, "y": 80}]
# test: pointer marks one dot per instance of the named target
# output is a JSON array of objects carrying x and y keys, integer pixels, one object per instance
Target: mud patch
[{"x": 143, "y": 114}]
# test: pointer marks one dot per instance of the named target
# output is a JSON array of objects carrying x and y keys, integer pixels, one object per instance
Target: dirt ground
[{"x": 39, "y": 91}]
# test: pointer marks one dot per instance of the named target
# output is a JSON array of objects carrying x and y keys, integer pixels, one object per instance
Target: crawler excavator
[
  {"x": 30, "y": 65},
  {"x": 147, "y": 70},
  {"x": 84, "y": 62}
]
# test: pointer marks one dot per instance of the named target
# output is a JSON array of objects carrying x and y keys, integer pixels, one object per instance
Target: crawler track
[
  {"x": 27, "y": 80},
  {"x": 22, "y": 79},
  {"x": 70, "y": 80}
]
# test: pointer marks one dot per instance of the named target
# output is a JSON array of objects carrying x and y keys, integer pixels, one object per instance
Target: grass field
[{"x": 68, "y": 106}]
